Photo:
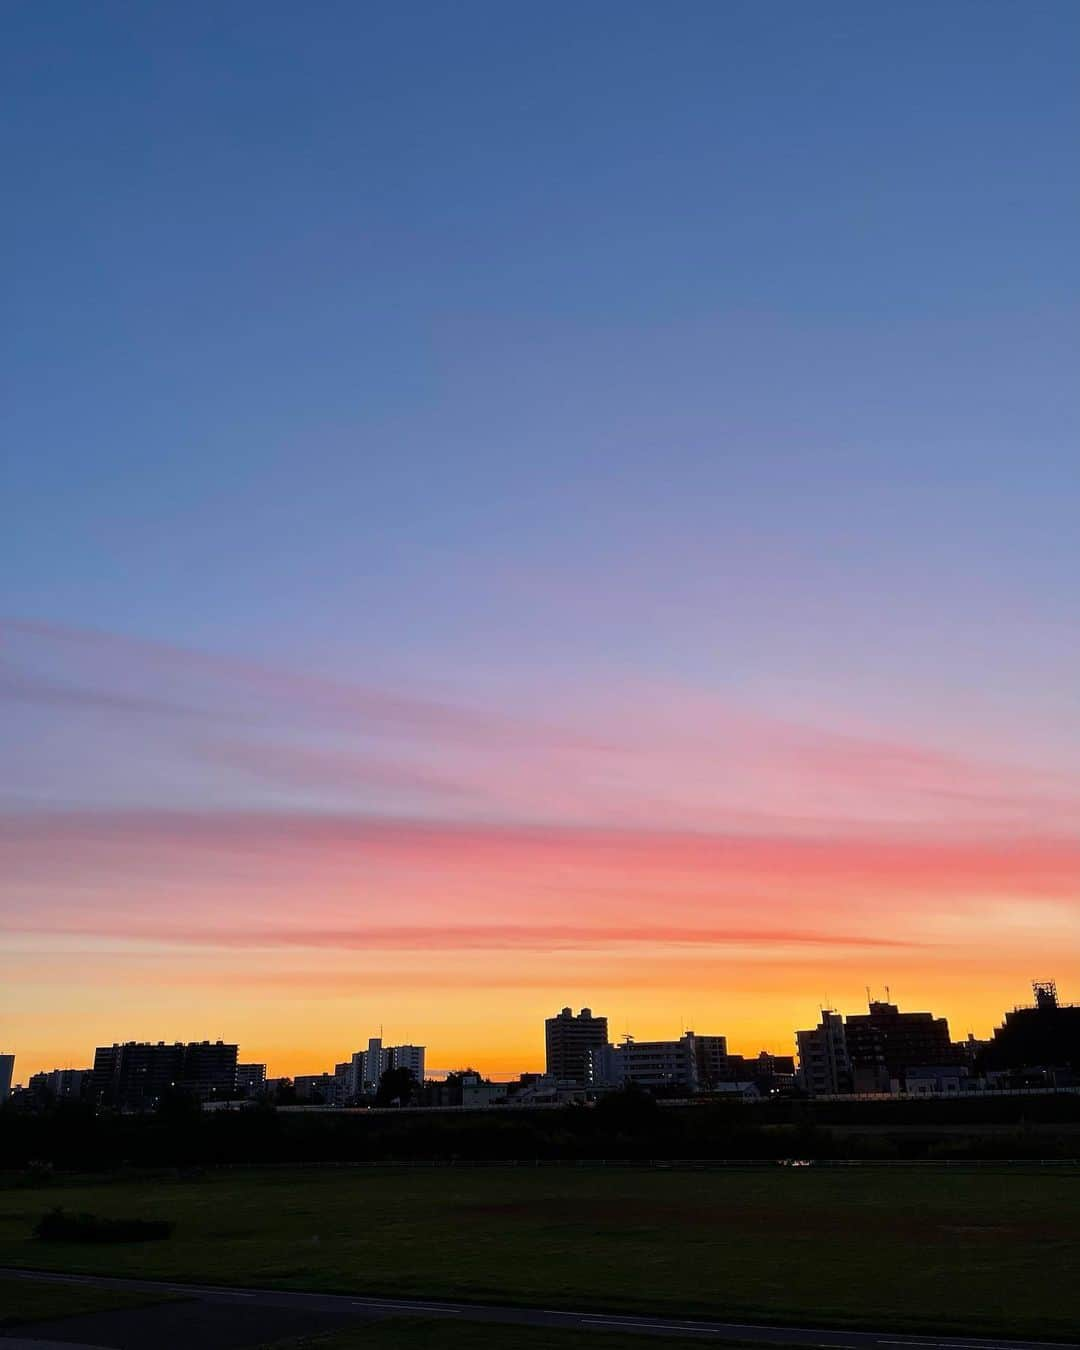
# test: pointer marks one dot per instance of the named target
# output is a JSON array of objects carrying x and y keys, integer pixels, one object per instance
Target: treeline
[{"x": 626, "y": 1126}]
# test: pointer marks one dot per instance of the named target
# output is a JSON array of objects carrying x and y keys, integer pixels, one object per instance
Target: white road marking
[
  {"x": 400, "y": 1306},
  {"x": 924, "y": 1344},
  {"x": 638, "y": 1326}
]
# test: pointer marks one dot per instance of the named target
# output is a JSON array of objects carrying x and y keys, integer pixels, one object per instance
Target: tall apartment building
[
  {"x": 569, "y": 1039},
  {"x": 209, "y": 1069},
  {"x": 7, "y": 1071},
  {"x": 405, "y": 1057},
  {"x": 135, "y": 1075},
  {"x": 712, "y": 1057},
  {"x": 361, "y": 1074},
  {"x": 824, "y": 1065},
  {"x": 884, "y": 1043},
  {"x": 1046, "y": 1035}
]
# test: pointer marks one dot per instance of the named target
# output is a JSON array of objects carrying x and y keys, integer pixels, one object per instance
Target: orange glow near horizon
[{"x": 343, "y": 858}]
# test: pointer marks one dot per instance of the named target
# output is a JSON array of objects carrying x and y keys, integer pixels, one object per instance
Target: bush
[{"x": 59, "y": 1226}]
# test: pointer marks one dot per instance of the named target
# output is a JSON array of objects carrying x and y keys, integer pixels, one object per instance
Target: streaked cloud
[{"x": 189, "y": 821}]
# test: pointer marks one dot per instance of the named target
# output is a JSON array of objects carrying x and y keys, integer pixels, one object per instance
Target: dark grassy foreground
[
  {"x": 28, "y": 1301},
  {"x": 915, "y": 1249}
]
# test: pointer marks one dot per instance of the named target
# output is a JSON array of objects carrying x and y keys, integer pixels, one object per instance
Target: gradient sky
[{"x": 507, "y": 506}]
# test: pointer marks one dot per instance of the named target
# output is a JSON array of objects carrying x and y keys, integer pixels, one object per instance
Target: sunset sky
[{"x": 509, "y": 506}]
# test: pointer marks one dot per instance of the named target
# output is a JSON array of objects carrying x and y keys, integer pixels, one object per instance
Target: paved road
[{"x": 339, "y": 1309}]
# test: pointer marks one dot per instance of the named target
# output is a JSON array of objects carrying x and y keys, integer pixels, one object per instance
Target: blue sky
[
  {"x": 695, "y": 382},
  {"x": 724, "y": 342}
]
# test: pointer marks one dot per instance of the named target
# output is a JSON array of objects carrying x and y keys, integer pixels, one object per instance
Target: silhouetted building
[
  {"x": 135, "y": 1075},
  {"x": 361, "y": 1074},
  {"x": 59, "y": 1085},
  {"x": 712, "y": 1062},
  {"x": 532, "y": 1088},
  {"x": 569, "y": 1040},
  {"x": 884, "y": 1043},
  {"x": 824, "y": 1065},
  {"x": 1044, "y": 1036},
  {"x": 686, "y": 1066},
  {"x": 251, "y": 1079},
  {"x": 317, "y": 1089},
  {"x": 771, "y": 1073},
  {"x": 7, "y": 1070},
  {"x": 409, "y": 1057},
  {"x": 971, "y": 1050},
  {"x": 941, "y": 1080},
  {"x": 209, "y": 1069},
  {"x": 479, "y": 1091}
]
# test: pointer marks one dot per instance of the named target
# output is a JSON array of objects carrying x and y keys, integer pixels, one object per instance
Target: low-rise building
[
  {"x": 933, "y": 1080},
  {"x": 251, "y": 1079},
  {"x": 60, "y": 1085},
  {"x": 689, "y": 1065},
  {"x": 318, "y": 1089}
]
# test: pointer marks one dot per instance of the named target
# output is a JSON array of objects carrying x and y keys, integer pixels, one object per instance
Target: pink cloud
[
  {"x": 648, "y": 757},
  {"x": 456, "y": 936},
  {"x": 307, "y": 696},
  {"x": 171, "y": 873},
  {"x": 654, "y": 815}
]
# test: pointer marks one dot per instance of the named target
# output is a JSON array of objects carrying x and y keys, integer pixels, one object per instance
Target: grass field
[
  {"x": 909, "y": 1249},
  {"x": 28, "y": 1301}
]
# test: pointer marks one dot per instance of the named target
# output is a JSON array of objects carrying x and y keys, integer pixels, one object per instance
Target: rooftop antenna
[
  {"x": 888, "y": 995},
  {"x": 868, "y": 998}
]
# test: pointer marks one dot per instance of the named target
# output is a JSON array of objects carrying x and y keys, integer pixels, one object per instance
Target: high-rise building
[
  {"x": 135, "y": 1075},
  {"x": 569, "y": 1040},
  {"x": 209, "y": 1069},
  {"x": 824, "y": 1065},
  {"x": 711, "y": 1054},
  {"x": 884, "y": 1043},
  {"x": 409, "y": 1057},
  {"x": 1044, "y": 1036},
  {"x": 371, "y": 1065},
  {"x": 7, "y": 1070},
  {"x": 361, "y": 1074}
]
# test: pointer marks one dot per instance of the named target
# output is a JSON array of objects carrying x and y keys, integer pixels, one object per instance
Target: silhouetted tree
[
  {"x": 284, "y": 1092},
  {"x": 397, "y": 1087},
  {"x": 178, "y": 1106}
]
